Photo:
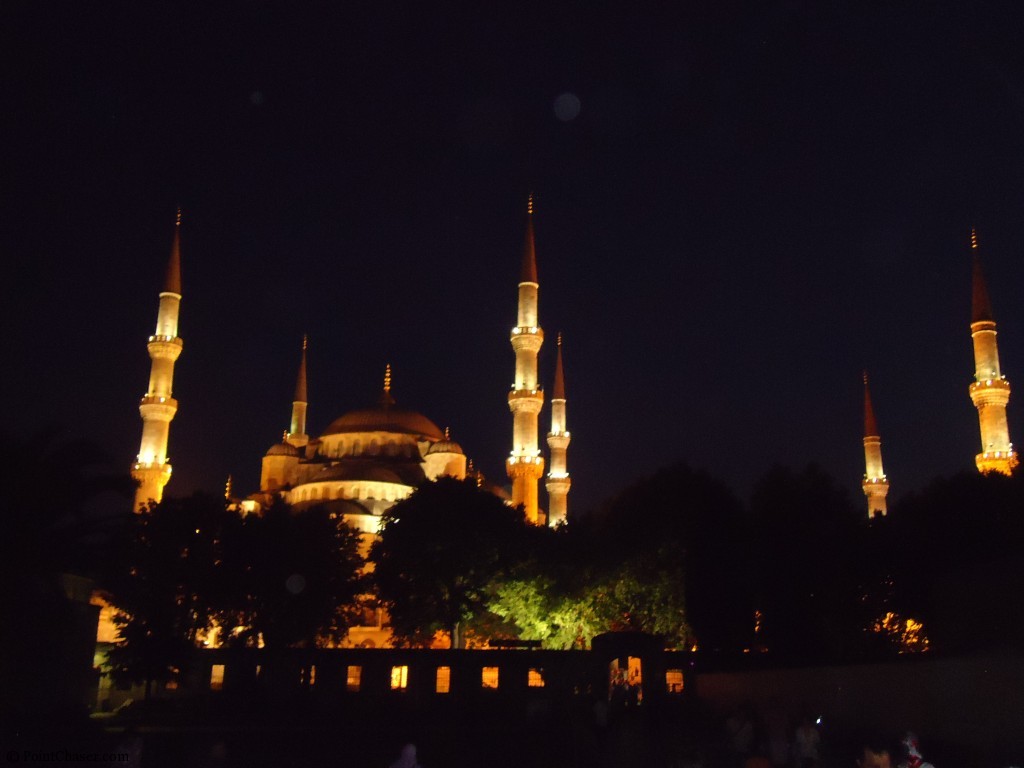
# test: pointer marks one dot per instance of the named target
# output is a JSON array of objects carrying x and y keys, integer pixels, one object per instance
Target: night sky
[{"x": 749, "y": 207}]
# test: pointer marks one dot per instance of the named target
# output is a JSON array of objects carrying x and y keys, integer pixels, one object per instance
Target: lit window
[
  {"x": 535, "y": 678},
  {"x": 216, "y": 677},
  {"x": 399, "y": 678},
  {"x": 674, "y": 680},
  {"x": 444, "y": 679},
  {"x": 353, "y": 678},
  {"x": 489, "y": 677}
]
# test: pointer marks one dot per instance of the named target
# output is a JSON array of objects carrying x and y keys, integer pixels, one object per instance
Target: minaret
[
  {"x": 297, "y": 433},
  {"x": 558, "y": 441},
  {"x": 151, "y": 469},
  {"x": 525, "y": 465},
  {"x": 990, "y": 391},
  {"x": 875, "y": 485}
]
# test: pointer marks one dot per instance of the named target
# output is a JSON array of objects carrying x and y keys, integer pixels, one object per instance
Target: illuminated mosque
[{"x": 368, "y": 459}]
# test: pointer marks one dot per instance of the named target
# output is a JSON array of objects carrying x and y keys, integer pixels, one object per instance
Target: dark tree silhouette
[
  {"x": 293, "y": 578},
  {"x": 439, "y": 551},
  {"x": 61, "y": 500},
  {"x": 955, "y": 549},
  {"x": 696, "y": 525},
  {"x": 171, "y": 581},
  {"x": 807, "y": 580}
]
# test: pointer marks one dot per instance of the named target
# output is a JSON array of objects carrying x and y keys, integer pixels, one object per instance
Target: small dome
[
  {"x": 445, "y": 446},
  {"x": 283, "y": 449}
]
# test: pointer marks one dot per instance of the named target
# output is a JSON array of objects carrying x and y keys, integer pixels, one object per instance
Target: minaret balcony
[
  {"x": 997, "y": 461},
  {"x": 528, "y": 400},
  {"x": 525, "y": 466},
  {"x": 558, "y": 440},
  {"x": 158, "y": 408},
  {"x": 556, "y": 484},
  {"x": 164, "y": 347},
  {"x": 990, "y": 392},
  {"x": 530, "y": 338}
]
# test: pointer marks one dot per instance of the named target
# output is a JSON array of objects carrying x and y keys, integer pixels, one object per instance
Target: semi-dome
[
  {"x": 385, "y": 418},
  {"x": 400, "y": 473},
  {"x": 283, "y": 449}
]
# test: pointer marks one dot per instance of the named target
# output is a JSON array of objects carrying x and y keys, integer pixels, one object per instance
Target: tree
[
  {"x": 61, "y": 502},
  {"x": 439, "y": 551},
  {"x": 644, "y": 594},
  {"x": 293, "y": 578},
  {"x": 170, "y": 583},
  {"x": 696, "y": 526},
  {"x": 955, "y": 553},
  {"x": 808, "y": 559}
]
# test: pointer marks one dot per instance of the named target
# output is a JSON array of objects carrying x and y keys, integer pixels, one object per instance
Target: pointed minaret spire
[
  {"x": 228, "y": 489},
  {"x": 300, "y": 403},
  {"x": 559, "y": 389},
  {"x": 151, "y": 469},
  {"x": 558, "y": 482},
  {"x": 981, "y": 305},
  {"x": 172, "y": 281},
  {"x": 875, "y": 485},
  {"x": 990, "y": 391},
  {"x": 870, "y": 425},
  {"x": 525, "y": 465},
  {"x": 528, "y": 273}
]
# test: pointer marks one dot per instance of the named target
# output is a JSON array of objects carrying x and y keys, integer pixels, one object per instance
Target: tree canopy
[{"x": 439, "y": 551}]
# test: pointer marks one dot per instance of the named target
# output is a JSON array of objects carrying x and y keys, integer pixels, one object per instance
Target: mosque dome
[
  {"x": 385, "y": 418},
  {"x": 283, "y": 449}
]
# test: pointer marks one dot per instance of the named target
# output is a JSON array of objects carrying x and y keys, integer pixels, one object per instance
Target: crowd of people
[{"x": 773, "y": 741}]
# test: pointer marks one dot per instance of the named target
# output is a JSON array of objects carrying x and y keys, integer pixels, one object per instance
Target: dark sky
[{"x": 751, "y": 206}]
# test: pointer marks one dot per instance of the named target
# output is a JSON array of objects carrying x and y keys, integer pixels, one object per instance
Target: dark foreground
[{"x": 208, "y": 733}]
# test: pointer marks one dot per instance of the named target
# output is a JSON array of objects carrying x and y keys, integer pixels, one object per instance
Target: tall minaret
[
  {"x": 990, "y": 391},
  {"x": 558, "y": 441},
  {"x": 151, "y": 469},
  {"x": 297, "y": 433},
  {"x": 875, "y": 485},
  {"x": 525, "y": 465}
]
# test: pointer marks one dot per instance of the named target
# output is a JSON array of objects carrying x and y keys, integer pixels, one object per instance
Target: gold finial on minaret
[
  {"x": 387, "y": 378},
  {"x": 284, "y": 436},
  {"x": 447, "y": 434},
  {"x": 177, "y": 221},
  {"x": 974, "y": 239},
  {"x": 529, "y": 204},
  {"x": 227, "y": 489},
  {"x": 305, "y": 341}
]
